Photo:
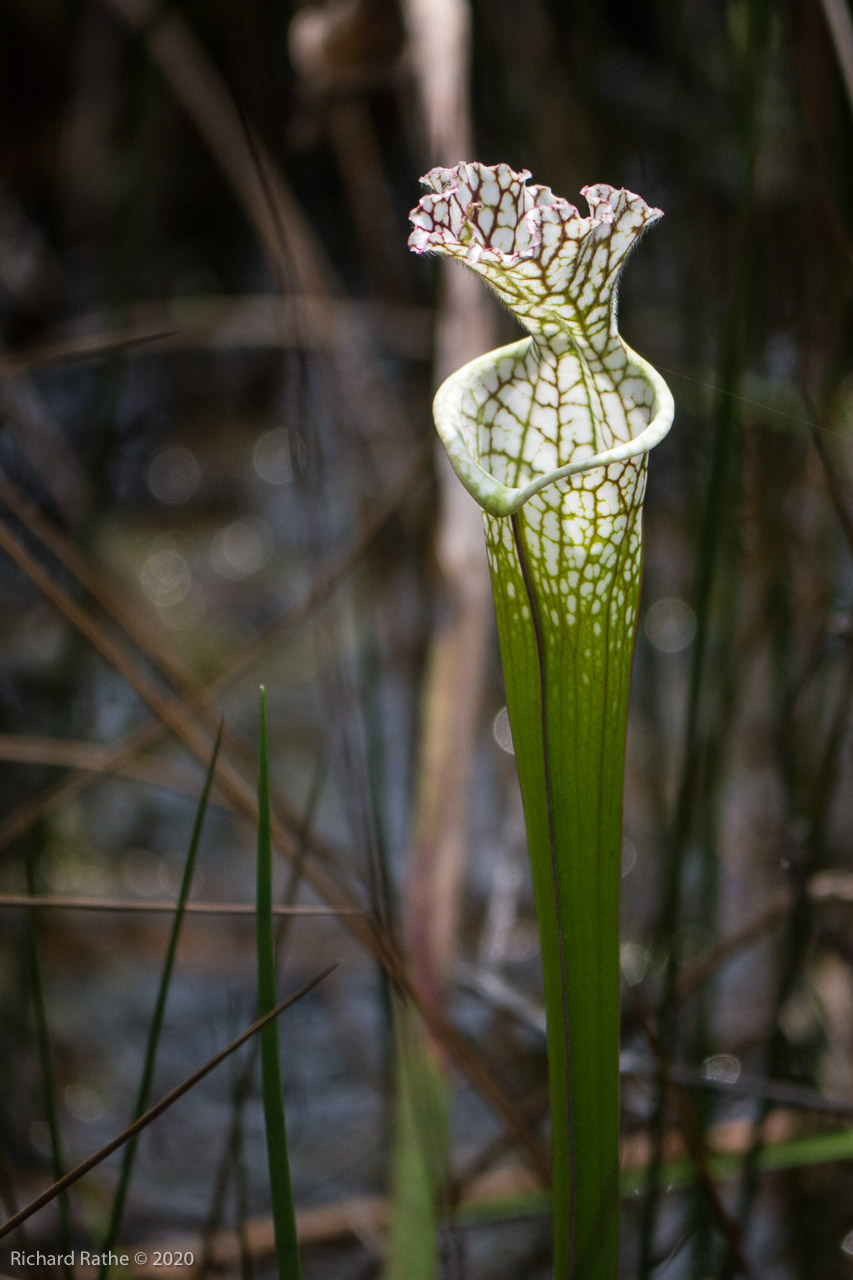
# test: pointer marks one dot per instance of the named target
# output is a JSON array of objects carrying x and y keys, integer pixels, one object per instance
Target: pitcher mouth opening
[{"x": 454, "y": 424}]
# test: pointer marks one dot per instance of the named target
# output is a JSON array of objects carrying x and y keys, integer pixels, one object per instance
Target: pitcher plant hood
[{"x": 573, "y": 396}]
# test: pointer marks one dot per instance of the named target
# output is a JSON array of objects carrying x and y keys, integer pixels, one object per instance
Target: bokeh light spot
[
  {"x": 174, "y": 475},
  {"x": 670, "y": 625}
]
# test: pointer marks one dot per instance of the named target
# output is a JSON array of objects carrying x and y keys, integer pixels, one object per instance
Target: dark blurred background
[{"x": 217, "y": 469}]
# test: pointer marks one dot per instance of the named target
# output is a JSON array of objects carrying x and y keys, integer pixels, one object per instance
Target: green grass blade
[
  {"x": 284, "y": 1220},
  {"x": 43, "y": 1037},
  {"x": 154, "y": 1031},
  {"x": 420, "y": 1156},
  {"x": 677, "y": 1175},
  {"x": 794, "y": 1153},
  {"x": 154, "y": 1112}
]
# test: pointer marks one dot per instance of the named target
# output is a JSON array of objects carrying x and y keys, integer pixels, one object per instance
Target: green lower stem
[{"x": 567, "y": 675}]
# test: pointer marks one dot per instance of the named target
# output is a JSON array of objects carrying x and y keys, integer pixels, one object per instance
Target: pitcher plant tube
[{"x": 550, "y": 435}]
